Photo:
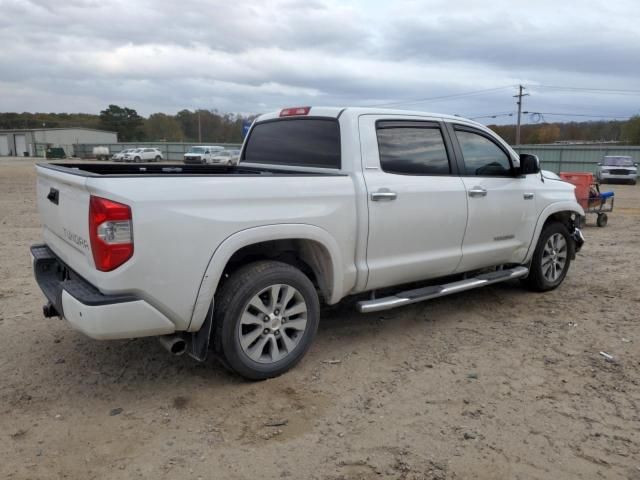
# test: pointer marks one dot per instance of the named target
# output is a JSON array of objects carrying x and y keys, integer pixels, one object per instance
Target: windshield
[
  {"x": 618, "y": 161},
  {"x": 196, "y": 150}
]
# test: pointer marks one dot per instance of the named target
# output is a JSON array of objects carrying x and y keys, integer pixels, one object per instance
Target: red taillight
[
  {"x": 290, "y": 112},
  {"x": 110, "y": 232}
]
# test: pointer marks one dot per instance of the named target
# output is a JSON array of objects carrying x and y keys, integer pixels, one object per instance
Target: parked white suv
[
  {"x": 326, "y": 203},
  {"x": 144, "y": 155},
  {"x": 617, "y": 168}
]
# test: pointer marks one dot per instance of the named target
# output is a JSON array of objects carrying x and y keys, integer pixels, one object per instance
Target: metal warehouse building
[{"x": 34, "y": 141}]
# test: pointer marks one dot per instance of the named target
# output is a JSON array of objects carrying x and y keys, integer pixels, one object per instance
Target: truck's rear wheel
[
  {"x": 551, "y": 259},
  {"x": 266, "y": 315}
]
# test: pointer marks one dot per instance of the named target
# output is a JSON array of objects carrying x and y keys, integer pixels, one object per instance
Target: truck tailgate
[{"x": 63, "y": 205}]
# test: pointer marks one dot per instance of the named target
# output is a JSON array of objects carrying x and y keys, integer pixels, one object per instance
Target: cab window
[
  {"x": 482, "y": 157},
  {"x": 412, "y": 150}
]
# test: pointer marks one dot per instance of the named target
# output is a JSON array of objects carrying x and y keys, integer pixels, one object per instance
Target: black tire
[
  {"x": 137, "y": 159},
  {"x": 157, "y": 159},
  {"x": 537, "y": 280},
  {"x": 231, "y": 303},
  {"x": 602, "y": 220}
]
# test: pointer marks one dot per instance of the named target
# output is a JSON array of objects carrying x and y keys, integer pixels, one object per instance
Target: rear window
[{"x": 303, "y": 142}]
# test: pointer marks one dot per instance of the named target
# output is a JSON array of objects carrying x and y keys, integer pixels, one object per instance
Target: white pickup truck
[{"x": 398, "y": 207}]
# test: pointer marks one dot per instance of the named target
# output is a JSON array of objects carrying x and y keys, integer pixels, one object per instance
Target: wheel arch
[
  {"x": 560, "y": 211},
  {"x": 310, "y": 248}
]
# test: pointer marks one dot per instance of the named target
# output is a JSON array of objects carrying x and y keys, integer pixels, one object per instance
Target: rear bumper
[{"x": 88, "y": 310}]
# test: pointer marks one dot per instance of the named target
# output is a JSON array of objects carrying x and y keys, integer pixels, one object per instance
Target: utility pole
[
  {"x": 519, "y": 102},
  {"x": 200, "y": 128}
]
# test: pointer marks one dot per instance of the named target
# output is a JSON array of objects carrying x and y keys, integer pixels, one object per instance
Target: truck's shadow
[{"x": 143, "y": 366}]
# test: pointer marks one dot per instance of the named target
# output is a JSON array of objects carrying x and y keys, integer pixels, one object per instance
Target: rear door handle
[
  {"x": 528, "y": 196},
  {"x": 478, "y": 192},
  {"x": 383, "y": 194}
]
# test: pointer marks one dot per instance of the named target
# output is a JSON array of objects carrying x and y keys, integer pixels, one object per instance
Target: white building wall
[{"x": 67, "y": 137}]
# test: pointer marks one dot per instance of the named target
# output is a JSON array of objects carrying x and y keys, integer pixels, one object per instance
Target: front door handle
[
  {"x": 383, "y": 194},
  {"x": 528, "y": 196},
  {"x": 478, "y": 192}
]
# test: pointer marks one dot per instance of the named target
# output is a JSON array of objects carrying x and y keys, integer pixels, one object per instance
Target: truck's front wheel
[
  {"x": 266, "y": 315},
  {"x": 551, "y": 259}
]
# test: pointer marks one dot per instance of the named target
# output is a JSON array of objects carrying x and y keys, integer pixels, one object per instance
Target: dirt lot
[{"x": 497, "y": 383}]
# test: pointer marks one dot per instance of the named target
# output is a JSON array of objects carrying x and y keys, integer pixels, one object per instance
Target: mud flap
[
  {"x": 578, "y": 239},
  {"x": 199, "y": 341}
]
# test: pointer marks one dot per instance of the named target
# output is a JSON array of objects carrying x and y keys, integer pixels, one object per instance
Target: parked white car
[
  {"x": 226, "y": 157},
  {"x": 144, "y": 155},
  {"x": 617, "y": 168},
  {"x": 325, "y": 204},
  {"x": 202, "y": 154},
  {"x": 119, "y": 157}
]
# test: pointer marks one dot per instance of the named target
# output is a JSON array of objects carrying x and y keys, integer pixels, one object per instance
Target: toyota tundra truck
[{"x": 390, "y": 206}]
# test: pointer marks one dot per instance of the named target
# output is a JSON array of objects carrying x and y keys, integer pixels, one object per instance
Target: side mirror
[
  {"x": 529, "y": 164},
  {"x": 207, "y": 152}
]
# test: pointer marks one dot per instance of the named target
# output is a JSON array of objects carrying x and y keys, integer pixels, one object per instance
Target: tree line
[
  {"x": 625, "y": 131},
  {"x": 227, "y": 128},
  {"x": 185, "y": 126}
]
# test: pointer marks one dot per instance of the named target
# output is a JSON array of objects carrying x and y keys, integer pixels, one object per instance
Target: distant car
[
  {"x": 617, "y": 168},
  {"x": 144, "y": 155},
  {"x": 119, "y": 157},
  {"x": 226, "y": 157},
  {"x": 201, "y": 154}
]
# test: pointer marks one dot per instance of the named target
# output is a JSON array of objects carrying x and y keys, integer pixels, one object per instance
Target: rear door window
[
  {"x": 412, "y": 150},
  {"x": 303, "y": 142}
]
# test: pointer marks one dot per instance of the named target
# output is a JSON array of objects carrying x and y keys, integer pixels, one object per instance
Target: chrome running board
[{"x": 427, "y": 293}]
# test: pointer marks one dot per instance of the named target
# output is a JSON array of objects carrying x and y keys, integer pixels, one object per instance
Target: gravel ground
[{"x": 497, "y": 383}]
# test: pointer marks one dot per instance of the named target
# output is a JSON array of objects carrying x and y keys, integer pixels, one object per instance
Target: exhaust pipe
[{"x": 174, "y": 344}]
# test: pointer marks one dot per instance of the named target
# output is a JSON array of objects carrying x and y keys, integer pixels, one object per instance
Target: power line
[
  {"x": 577, "y": 115},
  {"x": 609, "y": 91},
  {"x": 443, "y": 97},
  {"x": 492, "y": 115}
]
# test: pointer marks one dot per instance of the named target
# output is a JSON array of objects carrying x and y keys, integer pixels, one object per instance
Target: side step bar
[{"x": 427, "y": 293}]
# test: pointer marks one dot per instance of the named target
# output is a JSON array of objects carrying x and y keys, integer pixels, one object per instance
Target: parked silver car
[
  {"x": 119, "y": 157},
  {"x": 617, "y": 168},
  {"x": 226, "y": 157}
]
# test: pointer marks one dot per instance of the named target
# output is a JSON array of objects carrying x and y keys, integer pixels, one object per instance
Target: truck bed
[{"x": 172, "y": 169}]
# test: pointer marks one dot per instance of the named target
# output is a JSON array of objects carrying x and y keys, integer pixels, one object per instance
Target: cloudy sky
[{"x": 461, "y": 57}]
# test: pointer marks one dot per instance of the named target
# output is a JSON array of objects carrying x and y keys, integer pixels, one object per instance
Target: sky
[{"x": 461, "y": 57}]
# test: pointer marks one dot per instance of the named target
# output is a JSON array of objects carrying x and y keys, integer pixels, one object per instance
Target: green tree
[
  {"x": 631, "y": 131},
  {"x": 160, "y": 126},
  {"x": 123, "y": 120}
]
